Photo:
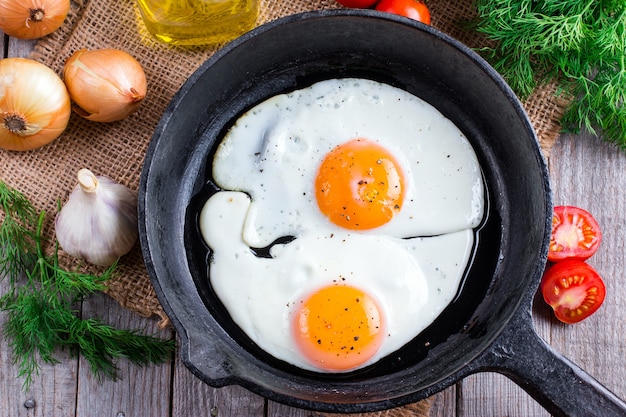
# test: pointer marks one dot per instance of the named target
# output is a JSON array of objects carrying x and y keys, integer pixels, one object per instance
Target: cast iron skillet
[{"x": 487, "y": 328}]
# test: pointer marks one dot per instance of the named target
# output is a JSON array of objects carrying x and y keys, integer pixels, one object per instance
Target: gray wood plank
[
  {"x": 275, "y": 409},
  {"x": 53, "y": 391},
  {"x": 195, "y": 398},
  {"x": 493, "y": 395},
  {"x": 589, "y": 173},
  {"x": 140, "y": 391},
  {"x": 444, "y": 403},
  {"x": 20, "y": 47}
]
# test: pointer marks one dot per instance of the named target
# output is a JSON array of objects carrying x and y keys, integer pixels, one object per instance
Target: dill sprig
[
  {"x": 580, "y": 44},
  {"x": 41, "y": 298}
]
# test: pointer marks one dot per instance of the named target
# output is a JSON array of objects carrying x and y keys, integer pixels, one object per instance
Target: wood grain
[
  {"x": 194, "y": 398},
  {"x": 584, "y": 171},
  {"x": 589, "y": 173},
  {"x": 138, "y": 391},
  {"x": 54, "y": 392}
]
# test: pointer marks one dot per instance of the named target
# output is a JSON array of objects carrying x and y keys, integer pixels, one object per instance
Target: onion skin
[
  {"x": 106, "y": 85},
  {"x": 35, "y": 106},
  {"x": 32, "y": 19}
]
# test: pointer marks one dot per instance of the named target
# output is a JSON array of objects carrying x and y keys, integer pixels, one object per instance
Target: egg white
[
  {"x": 274, "y": 150},
  {"x": 413, "y": 280},
  {"x": 267, "y": 164}
]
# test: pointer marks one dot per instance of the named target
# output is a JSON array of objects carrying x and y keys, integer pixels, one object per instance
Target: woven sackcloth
[{"x": 117, "y": 150}]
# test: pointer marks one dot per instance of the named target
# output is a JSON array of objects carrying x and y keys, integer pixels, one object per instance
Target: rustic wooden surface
[{"x": 584, "y": 172}]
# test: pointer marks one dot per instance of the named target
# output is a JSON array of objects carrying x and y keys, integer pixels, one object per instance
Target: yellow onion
[
  {"x": 32, "y": 19},
  {"x": 105, "y": 84},
  {"x": 34, "y": 104}
]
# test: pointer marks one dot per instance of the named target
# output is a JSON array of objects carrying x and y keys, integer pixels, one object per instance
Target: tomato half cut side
[
  {"x": 573, "y": 289},
  {"x": 575, "y": 234}
]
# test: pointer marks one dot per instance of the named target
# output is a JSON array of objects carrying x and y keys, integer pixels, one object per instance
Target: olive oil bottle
[{"x": 198, "y": 22}]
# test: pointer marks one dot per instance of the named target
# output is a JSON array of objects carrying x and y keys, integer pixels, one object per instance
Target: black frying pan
[{"x": 487, "y": 328}]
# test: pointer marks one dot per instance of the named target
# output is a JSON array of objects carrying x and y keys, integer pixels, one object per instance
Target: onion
[
  {"x": 32, "y": 19},
  {"x": 34, "y": 104},
  {"x": 105, "y": 84}
]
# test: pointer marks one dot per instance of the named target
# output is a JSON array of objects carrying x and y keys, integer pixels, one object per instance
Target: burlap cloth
[{"x": 117, "y": 149}]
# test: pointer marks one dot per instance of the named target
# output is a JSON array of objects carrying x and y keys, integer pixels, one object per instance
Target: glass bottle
[{"x": 198, "y": 22}]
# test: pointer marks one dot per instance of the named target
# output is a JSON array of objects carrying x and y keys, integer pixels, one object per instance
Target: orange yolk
[
  {"x": 338, "y": 328},
  {"x": 359, "y": 185}
]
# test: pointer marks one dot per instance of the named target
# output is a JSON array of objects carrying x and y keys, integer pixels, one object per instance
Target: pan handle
[{"x": 556, "y": 383}]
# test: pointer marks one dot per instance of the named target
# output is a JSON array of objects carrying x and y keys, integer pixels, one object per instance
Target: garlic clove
[{"x": 98, "y": 223}]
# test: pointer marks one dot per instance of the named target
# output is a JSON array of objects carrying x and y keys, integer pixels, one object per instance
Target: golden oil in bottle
[{"x": 198, "y": 22}]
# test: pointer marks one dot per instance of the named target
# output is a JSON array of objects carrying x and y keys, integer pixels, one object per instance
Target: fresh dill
[
  {"x": 40, "y": 299},
  {"x": 580, "y": 44}
]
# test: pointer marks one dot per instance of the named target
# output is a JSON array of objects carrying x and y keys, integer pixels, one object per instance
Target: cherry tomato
[
  {"x": 573, "y": 289},
  {"x": 575, "y": 234},
  {"x": 358, "y": 4},
  {"x": 414, "y": 9}
]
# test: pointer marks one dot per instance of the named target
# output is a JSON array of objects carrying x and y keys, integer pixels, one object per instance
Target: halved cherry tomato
[
  {"x": 575, "y": 234},
  {"x": 414, "y": 9},
  {"x": 573, "y": 289},
  {"x": 358, "y": 4}
]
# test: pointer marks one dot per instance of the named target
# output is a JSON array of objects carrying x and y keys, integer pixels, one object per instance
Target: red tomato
[
  {"x": 575, "y": 234},
  {"x": 359, "y": 4},
  {"x": 414, "y": 9},
  {"x": 573, "y": 289}
]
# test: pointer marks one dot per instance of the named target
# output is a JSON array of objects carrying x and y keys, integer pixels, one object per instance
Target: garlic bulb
[{"x": 98, "y": 222}]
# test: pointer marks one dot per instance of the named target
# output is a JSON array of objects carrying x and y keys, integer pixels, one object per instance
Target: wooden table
[{"x": 584, "y": 172}]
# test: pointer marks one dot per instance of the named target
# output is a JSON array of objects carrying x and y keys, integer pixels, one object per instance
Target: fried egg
[
  {"x": 293, "y": 147},
  {"x": 330, "y": 302},
  {"x": 378, "y": 194}
]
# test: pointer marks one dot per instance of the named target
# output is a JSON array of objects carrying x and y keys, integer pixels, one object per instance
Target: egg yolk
[
  {"x": 359, "y": 185},
  {"x": 338, "y": 328}
]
